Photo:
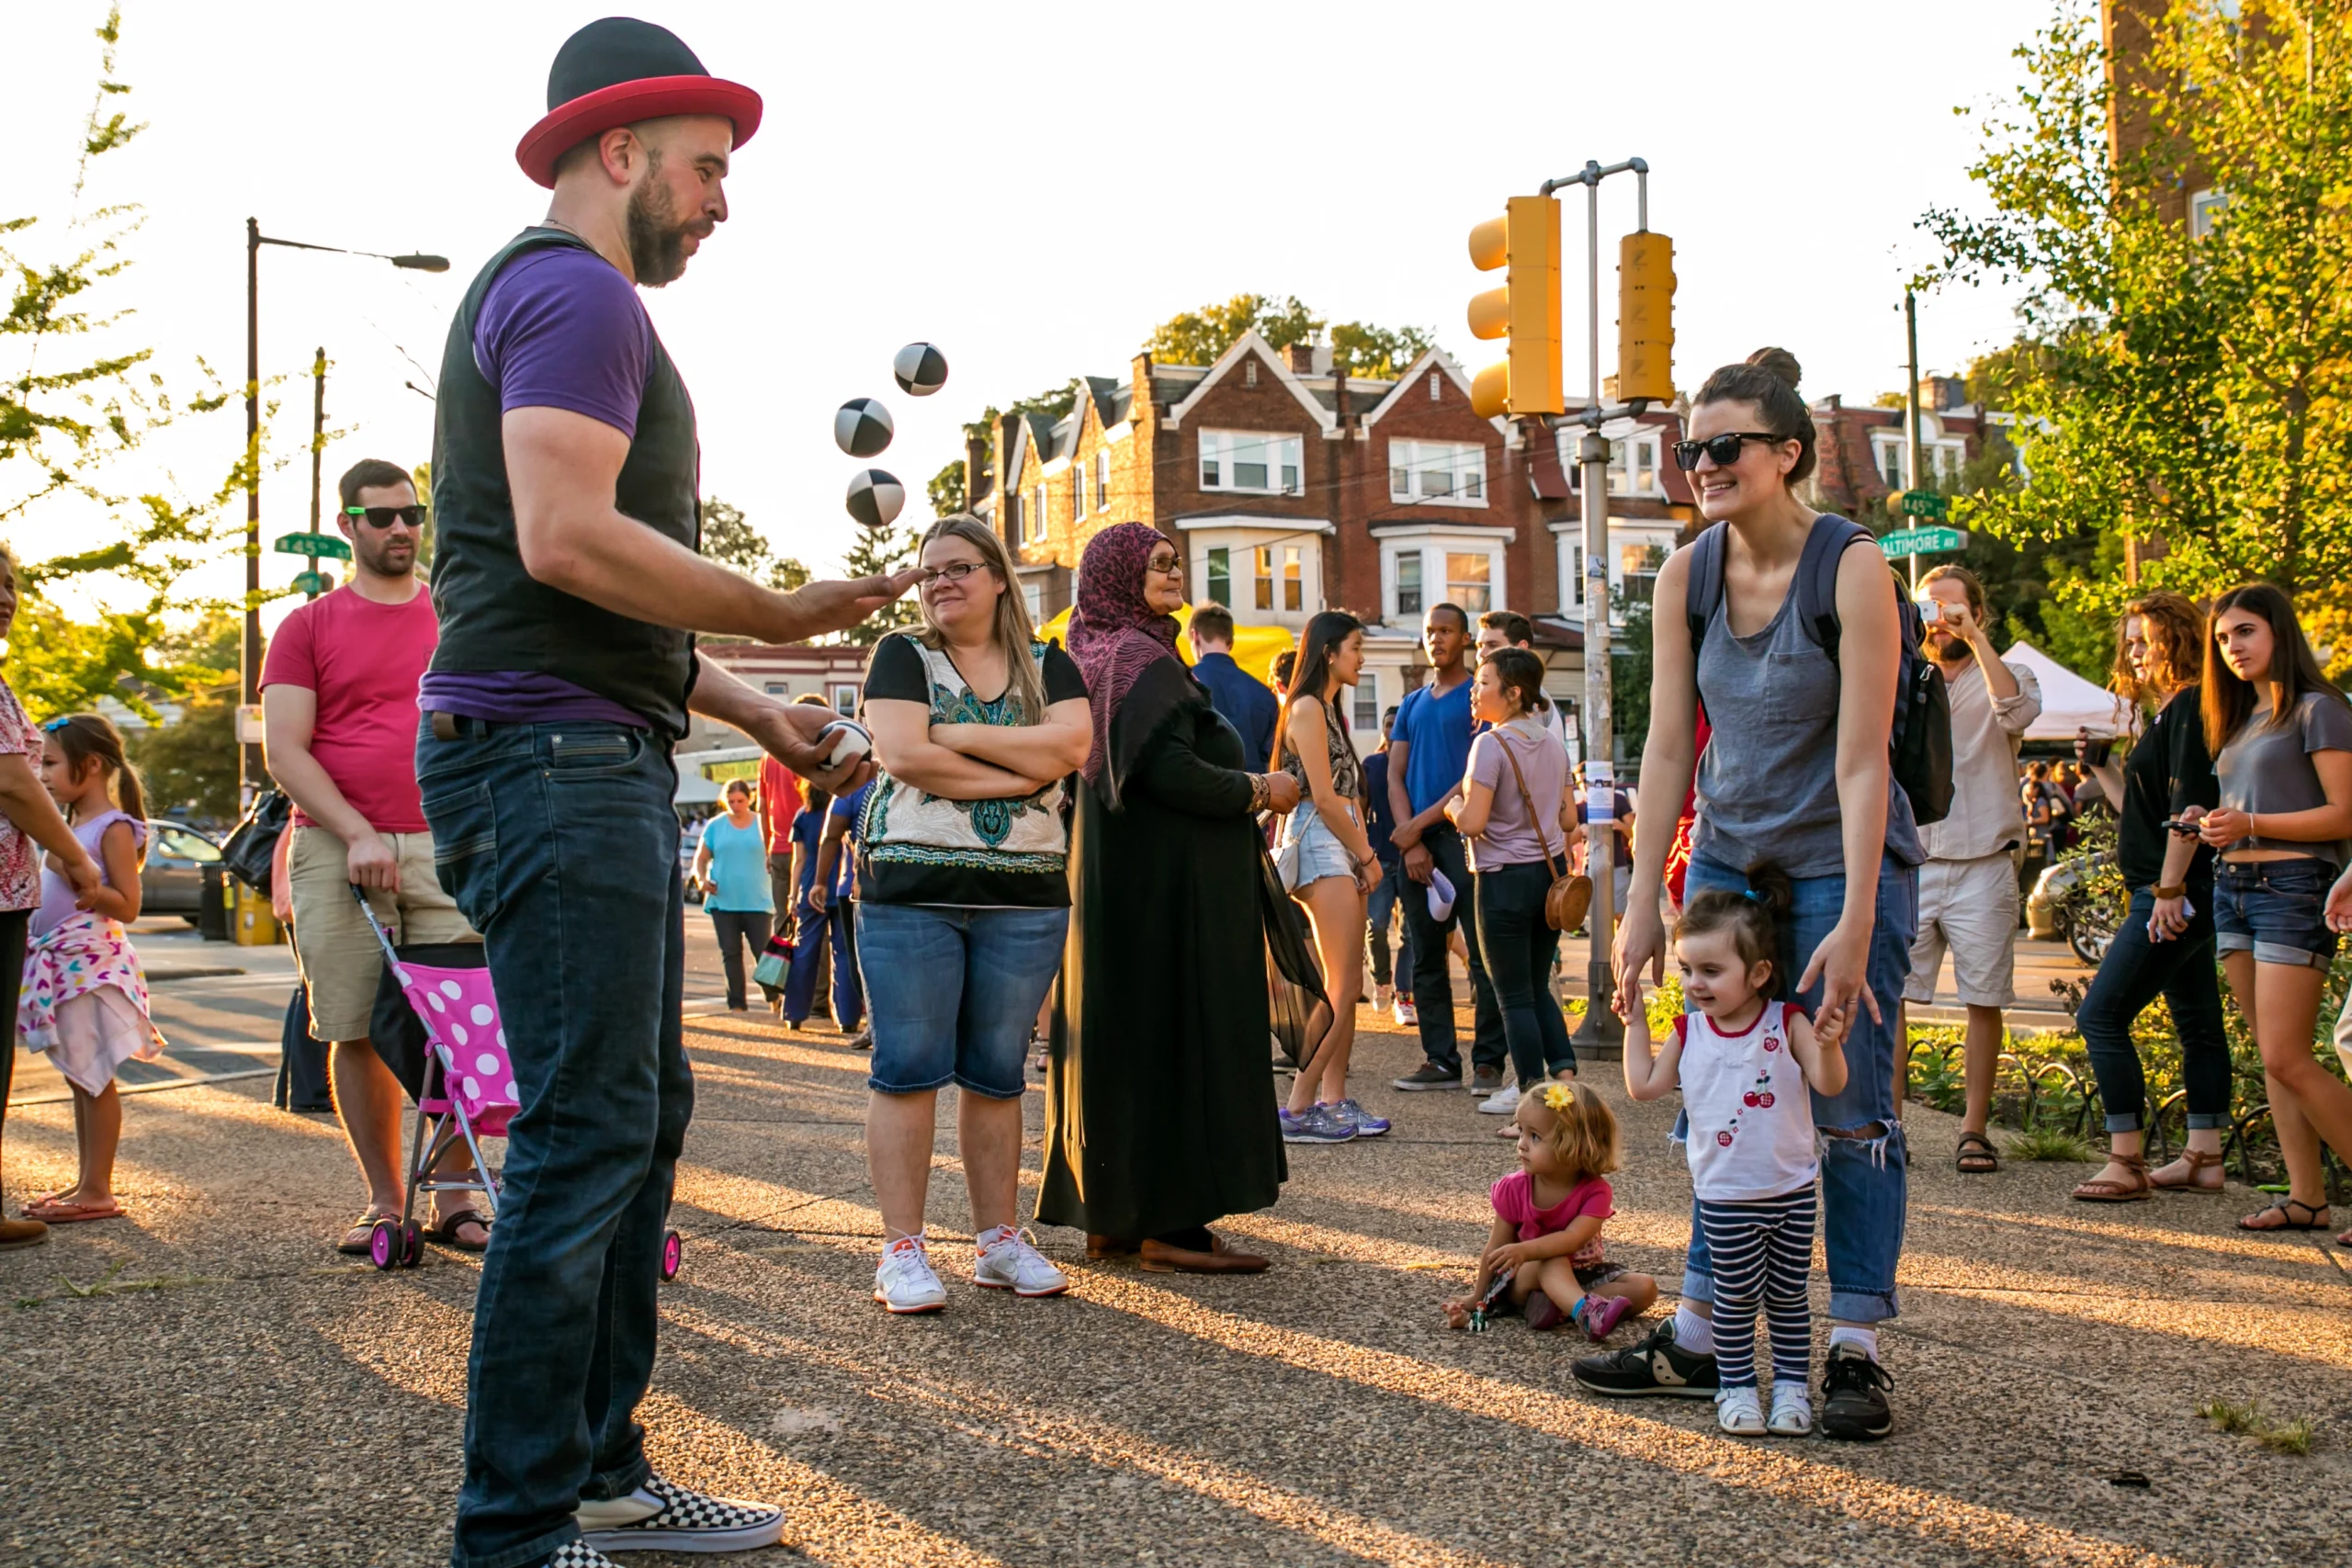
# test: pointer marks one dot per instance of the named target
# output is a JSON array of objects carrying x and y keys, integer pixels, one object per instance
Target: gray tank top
[{"x": 1768, "y": 780}]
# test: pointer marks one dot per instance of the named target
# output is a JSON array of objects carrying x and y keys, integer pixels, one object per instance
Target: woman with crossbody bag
[{"x": 1516, "y": 806}]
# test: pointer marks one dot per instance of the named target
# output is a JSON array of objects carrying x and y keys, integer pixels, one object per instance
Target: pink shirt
[
  {"x": 1514, "y": 1198},
  {"x": 19, "y": 872},
  {"x": 363, "y": 661},
  {"x": 1514, "y": 834}
]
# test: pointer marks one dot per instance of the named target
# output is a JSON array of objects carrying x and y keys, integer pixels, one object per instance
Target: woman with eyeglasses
[
  {"x": 1797, "y": 771},
  {"x": 1157, "y": 1115},
  {"x": 962, "y": 900}
]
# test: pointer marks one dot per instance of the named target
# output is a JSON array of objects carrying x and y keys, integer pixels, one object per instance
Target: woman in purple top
[{"x": 1517, "y": 811}]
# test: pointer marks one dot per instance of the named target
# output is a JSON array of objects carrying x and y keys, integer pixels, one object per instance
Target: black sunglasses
[
  {"x": 1724, "y": 448},
  {"x": 385, "y": 516}
]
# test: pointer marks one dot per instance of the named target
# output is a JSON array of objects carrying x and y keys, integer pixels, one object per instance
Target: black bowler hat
[{"x": 617, "y": 71}]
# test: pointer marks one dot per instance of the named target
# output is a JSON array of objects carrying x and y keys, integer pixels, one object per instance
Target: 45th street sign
[{"x": 313, "y": 545}]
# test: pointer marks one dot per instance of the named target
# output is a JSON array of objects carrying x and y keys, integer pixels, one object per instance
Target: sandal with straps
[
  {"x": 1976, "y": 1156},
  {"x": 2198, "y": 1160},
  {"x": 2315, "y": 1219},
  {"x": 2107, "y": 1190}
]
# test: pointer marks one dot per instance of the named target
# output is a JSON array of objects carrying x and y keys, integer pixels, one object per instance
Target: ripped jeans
[{"x": 1864, "y": 1165}]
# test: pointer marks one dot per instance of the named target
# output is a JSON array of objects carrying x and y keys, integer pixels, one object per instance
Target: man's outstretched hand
[
  {"x": 816, "y": 608},
  {"x": 789, "y": 731}
]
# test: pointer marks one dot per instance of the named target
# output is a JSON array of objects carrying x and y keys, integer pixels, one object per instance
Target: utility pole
[
  {"x": 318, "y": 440},
  {"x": 1913, "y": 477},
  {"x": 249, "y": 759}
]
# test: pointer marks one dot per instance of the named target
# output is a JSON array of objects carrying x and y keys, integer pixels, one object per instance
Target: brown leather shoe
[
  {"x": 15, "y": 1234},
  {"x": 1099, "y": 1247},
  {"x": 1160, "y": 1259}
]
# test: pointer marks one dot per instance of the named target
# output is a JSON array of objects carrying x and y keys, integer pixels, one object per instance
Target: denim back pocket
[
  {"x": 596, "y": 749},
  {"x": 465, "y": 850}
]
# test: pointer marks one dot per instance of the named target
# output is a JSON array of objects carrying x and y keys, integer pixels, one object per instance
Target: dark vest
[{"x": 494, "y": 616}]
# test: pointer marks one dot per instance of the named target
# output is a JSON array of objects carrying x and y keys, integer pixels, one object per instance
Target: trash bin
[
  {"x": 252, "y": 923},
  {"x": 213, "y": 909}
]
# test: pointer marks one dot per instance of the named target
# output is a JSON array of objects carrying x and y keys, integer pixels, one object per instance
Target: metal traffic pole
[{"x": 1915, "y": 480}]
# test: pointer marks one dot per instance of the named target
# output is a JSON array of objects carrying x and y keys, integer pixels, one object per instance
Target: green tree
[
  {"x": 728, "y": 538},
  {"x": 946, "y": 487},
  {"x": 1381, "y": 352},
  {"x": 1198, "y": 337},
  {"x": 946, "y": 490},
  {"x": 876, "y": 551},
  {"x": 2192, "y": 389},
  {"x": 191, "y": 765}
]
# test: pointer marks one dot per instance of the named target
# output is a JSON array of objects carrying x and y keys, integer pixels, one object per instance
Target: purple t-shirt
[{"x": 559, "y": 328}]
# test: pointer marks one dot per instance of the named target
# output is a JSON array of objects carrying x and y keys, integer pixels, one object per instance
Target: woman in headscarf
[{"x": 1159, "y": 1109}]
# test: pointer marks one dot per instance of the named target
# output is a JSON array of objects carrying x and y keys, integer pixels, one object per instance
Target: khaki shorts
[
  {"x": 333, "y": 946},
  {"x": 1971, "y": 907}
]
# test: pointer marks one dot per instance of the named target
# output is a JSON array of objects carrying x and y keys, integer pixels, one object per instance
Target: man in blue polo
[
  {"x": 1241, "y": 696},
  {"x": 1426, "y": 756},
  {"x": 564, "y": 487}
]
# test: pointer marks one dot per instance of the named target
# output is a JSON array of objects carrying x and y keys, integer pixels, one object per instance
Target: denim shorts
[
  {"x": 953, "y": 993},
  {"x": 1320, "y": 853},
  {"x": 2276, "y": 909}
]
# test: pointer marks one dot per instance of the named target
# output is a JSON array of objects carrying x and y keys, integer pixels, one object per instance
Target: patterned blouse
[{"x": 19, "y": 866}]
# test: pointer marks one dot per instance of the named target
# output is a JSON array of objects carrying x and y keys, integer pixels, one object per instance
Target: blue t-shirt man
[{"x": 1435, "y": 727}]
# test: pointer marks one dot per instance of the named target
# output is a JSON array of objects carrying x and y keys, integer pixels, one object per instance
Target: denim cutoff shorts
[
  {"x": 2276, "y": 909},
  {"x": 954, "y": 991},
  {"x": 1320, "y": 853}
]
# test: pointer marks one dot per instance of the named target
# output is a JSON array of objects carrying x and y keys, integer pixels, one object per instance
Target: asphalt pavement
[{"x": 204, "y": 1381}]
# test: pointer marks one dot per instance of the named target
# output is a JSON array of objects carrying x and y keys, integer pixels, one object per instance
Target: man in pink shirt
[{"x": 339, "y": 710}]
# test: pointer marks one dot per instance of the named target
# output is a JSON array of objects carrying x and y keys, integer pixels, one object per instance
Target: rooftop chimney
[{"x": 1302, "y": 358}]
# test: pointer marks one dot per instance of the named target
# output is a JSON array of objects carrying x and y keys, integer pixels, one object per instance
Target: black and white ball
[
  {"x": 874, "y": 498},
  {"x": 920, "y": 369},
  {"x": 863, "y": 427},
  {"x": 850, "y": 740}
]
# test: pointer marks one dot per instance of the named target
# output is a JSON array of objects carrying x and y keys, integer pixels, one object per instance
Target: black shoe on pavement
[
  {"x": 1485, "y": 1080},
  {"x": 1654, "y": 1367},
  {"x": 1429, "y": 1075},
  {"x": 1853, "y": 1397}
]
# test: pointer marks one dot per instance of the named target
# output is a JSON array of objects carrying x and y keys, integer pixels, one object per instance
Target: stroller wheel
[
  {"x": 674, "y": 1256},
  {"x": 412, "y": 1245},
  {"x": 384, "y": 1244}
]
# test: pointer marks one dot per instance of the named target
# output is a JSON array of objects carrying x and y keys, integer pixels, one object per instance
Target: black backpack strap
[
  {"x": 1704, "y": 590},
  {"x": 1825, "y": 547}
]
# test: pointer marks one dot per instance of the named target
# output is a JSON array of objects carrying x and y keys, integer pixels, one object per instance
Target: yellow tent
[{"x": 1253, "y": 646}]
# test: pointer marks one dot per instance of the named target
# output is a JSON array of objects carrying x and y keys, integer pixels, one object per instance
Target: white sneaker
[
  {"x": 904, "y": 1282},
  {"x": 1739, "y": 1412},
  {"x": 1405, "y": 1014},
  {"x": 664, "y": 1516},
  {"x": 1791, "y": 1411},
  {"x": 1383, "y": 997},
  {"x": 1009, "y": 1260},
  {"x": 1503, "y": 1104}
]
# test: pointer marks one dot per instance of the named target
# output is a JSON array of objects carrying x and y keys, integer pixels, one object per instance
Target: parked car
[
  {"x": 172, "y": 882},
  {"x": 2053, "y": 913},
  {"x": 689, "y": 841}
]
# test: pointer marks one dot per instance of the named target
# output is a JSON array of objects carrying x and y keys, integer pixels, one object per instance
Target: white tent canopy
[{"x": 2070, "y": 704}]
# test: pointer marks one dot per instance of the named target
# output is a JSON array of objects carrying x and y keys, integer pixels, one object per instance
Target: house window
[
  {"x": 1012, "y": 516},
  {"x": 1633, "y": 465},
  {"x": 1279, "y": 578},
  {"x": 1101, "y": 482},
  {"x": 1033, "y": 595},
  {"x": 1434, "y": 393},
  {"x": 1637, "y": 566},
  {"x": 1448, "y": 472},
  {"x": 1576, "y": 588},
  {"x": 1249, "y": 373},
  {"x": 2205, "y": 208},
  {"x": 1037, "y": 512},
  {"x": 778, "y": 689},
  {"x": 1235, "y": 459},
  {"x": 1367, "y": 706},
  {"x": 1469, "y": 581},
  {"x": 845, "y": 698},
  {"x": 1077, "y": 493},
  {"x": 1893, "y": 466},
  {"x": 1221, "y": 574},
  {"x": 1408, "y": 583}
]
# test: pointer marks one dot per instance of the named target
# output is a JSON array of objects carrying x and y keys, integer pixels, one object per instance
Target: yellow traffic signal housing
[
  {"x": 1526, "y": 310},
  {"x": 1645, "y": 318}
]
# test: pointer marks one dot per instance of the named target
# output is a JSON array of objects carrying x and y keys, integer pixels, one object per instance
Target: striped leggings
[{"x": 1763, "y": 1253}]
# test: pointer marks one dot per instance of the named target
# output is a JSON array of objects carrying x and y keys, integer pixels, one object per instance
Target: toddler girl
[
  {"x": 1743, "y": 1061},
  {"x": 86, "y": 997},
  {"x": 1545, "y": 1254}
]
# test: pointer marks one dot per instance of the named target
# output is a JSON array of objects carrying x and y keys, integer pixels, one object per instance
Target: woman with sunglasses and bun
[{"x": 1796, "y": 771}]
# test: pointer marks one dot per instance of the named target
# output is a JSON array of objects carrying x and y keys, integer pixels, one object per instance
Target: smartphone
[
  {"x": 1931, "y": 611},
  {"x": 2175, "y": 824}
]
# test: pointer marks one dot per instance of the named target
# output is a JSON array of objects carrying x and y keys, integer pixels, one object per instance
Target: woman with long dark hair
[
  {"x": 2281, "y": 739},
  {"x": 1328, "y": 864},
  {"x": 1157, "y": 1113},
  {"x": 2165, "y": 946}
]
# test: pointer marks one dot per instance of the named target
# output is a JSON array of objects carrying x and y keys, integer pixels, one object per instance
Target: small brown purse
[{"x": 1569, "y": 898}]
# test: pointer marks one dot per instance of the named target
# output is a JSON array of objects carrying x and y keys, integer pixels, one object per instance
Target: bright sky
[{"x": 1030, "y": 191}]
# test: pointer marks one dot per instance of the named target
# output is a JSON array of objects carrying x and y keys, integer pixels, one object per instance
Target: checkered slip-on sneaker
[
  {"x": 580, "y": 1554},
  {"x": 682, "y": 1521}
]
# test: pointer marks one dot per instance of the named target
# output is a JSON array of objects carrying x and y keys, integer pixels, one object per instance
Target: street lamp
[{"x": 249, "y": 759}]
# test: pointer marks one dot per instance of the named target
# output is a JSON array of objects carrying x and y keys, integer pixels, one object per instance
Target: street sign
[
  {"x": 314, "y": 546},
  {"x": 1924, "y": 541},
  {"x": 1922, "y": 503},
  {"x": 313, "y": 583}
]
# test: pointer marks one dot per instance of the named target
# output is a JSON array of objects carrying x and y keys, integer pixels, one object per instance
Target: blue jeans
[
  {"x": 836, "y": 925},
  {"x": 956, "y": 992},
  {"x": 1432, "y": 986},
  {"x": 1519, "y": 946},
  {"x": 1864, "y": 1164},
  {"x": 2133, "y": 973},
  {"x": 557, "y": 842},
  {"x": 1379, "y": 905}
]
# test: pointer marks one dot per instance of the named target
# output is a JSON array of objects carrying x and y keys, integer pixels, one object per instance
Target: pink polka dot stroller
[{"x": 468, "y": 1089}]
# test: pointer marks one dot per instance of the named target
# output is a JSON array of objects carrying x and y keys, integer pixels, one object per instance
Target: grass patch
[
  {"x": 2045, "y": 1142},
  {"x": 2248, "y": 1420}
]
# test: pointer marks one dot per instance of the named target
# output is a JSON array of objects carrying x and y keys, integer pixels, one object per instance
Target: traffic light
[
  {"x": 1645, "y": 318},
  {"x": 1526, "y": 310}
]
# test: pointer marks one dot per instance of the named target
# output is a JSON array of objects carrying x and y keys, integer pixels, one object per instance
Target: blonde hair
[
  {"x": 1583, "y": 1135},
  {"x": 1013, "y": 631}
]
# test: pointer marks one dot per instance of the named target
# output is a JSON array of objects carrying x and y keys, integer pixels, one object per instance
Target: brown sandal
[
  {"x": 2107, "y": 1190},
  {"x": 1976, "y": 1156},
  {"x": 2198, "y": 1160}
]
